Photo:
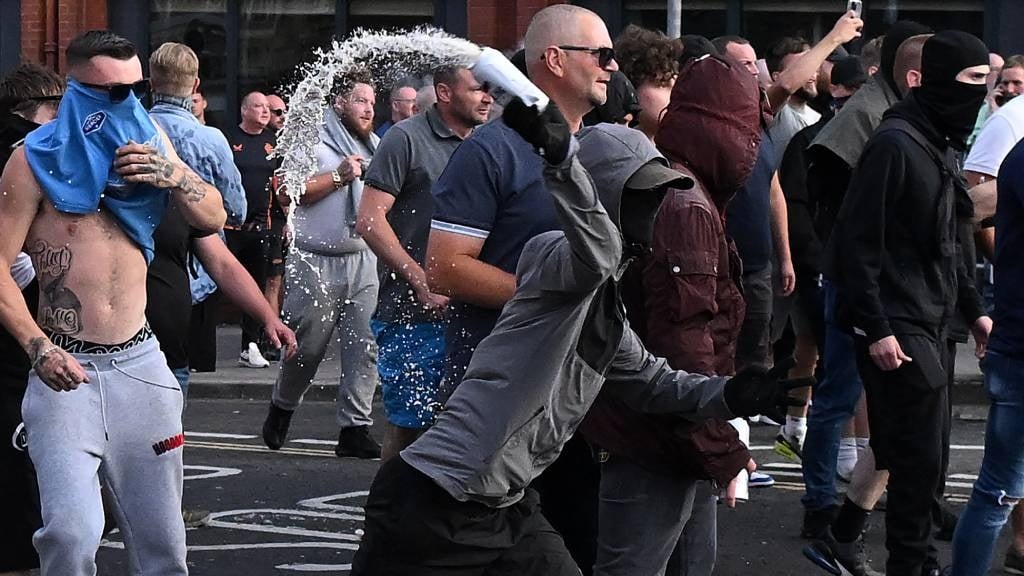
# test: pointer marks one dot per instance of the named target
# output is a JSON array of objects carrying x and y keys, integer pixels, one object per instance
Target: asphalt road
[{"x": 299, "y": 510}]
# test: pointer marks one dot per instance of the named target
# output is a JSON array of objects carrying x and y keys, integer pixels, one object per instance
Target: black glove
[
  {"x": 757, "y": 391},
  {"x": 547, "y": 131}
]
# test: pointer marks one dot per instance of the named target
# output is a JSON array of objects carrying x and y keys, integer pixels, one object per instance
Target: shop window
[{"x": 199, "y": 24}]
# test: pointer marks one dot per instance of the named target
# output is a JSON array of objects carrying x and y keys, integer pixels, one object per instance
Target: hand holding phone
[{"x": 855, "y": 6}]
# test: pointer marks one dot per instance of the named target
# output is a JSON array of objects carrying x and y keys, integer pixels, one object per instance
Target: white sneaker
[
  {"x": 764, "y": 420},
  {"x": 252, "y": 358}
]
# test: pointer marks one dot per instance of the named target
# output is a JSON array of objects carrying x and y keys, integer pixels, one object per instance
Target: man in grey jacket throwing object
[{"x": 457, "y": 501}]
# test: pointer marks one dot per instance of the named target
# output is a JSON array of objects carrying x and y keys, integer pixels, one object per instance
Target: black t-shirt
[
  {"x": 251, "y": 152},
  {"x": 168, "y": 297}
]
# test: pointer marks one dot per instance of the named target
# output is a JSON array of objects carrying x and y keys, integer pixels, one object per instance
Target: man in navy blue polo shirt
[
  {"x": 488, "y": 202},
  {"x": 1000, "y": 482}
]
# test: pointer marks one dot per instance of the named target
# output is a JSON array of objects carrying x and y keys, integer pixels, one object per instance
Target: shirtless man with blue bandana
[{"x": 82, "y": 198}]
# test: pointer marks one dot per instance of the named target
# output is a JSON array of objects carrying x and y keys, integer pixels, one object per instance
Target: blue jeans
[
  {"x": 835, "y": 399},
  {"x": 1001, "y": 479},
  {"x": 182, "y": 375}
]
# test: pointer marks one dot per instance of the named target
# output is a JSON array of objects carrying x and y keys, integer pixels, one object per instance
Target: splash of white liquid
[{"x": 388, "y": 55}]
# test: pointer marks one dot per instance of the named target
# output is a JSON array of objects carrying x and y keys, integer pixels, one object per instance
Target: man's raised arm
[{"x": 200, "y": 203}]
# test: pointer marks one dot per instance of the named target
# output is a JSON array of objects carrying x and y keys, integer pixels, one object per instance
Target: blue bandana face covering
[{"x": 72, "y": 158}]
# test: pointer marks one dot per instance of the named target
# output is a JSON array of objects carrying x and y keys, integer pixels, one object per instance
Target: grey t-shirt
[{"x": 410, "y": 157}]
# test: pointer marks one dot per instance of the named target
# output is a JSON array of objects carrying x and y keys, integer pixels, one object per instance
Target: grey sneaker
[
  {"x": 840, "y": 558},
  {"x": 195, "y": 517}
]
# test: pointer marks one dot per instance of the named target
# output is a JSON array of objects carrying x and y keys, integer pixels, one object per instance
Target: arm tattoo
[
  {"x": 191, "y": 185},
  {"x": 60, "y": 310}
]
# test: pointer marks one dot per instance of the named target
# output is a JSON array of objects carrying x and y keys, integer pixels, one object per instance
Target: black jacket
[
  {"x": 802, "y": 200},
  {"x": 893, "y": 254}
]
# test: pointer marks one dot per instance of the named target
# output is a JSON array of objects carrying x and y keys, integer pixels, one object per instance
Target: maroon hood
[{"x": 713, "y": 124}]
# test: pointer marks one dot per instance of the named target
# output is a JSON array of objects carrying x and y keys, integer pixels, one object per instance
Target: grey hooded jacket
[{"x": 561, "y": 338}]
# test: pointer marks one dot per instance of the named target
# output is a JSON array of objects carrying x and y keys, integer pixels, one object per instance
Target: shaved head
[{"x": 555, "y": 25}]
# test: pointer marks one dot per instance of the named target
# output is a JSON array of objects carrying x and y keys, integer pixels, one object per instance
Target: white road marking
[
  {"x": 313, "y": 441},
  {"x": 215, "y": 522},
  {"x": 322, "y": 502},
  {"x": 220, "y": 435},
  {"x": 211, "y": 472},
  {"x": 263, "y": 449},
  {"x": 314, "y": 567}
]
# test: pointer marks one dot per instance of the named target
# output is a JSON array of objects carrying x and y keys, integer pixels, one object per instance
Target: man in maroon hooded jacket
[{"x": 684, "y": 301}]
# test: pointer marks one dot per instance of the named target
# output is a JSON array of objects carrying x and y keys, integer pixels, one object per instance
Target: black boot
[
  {"x": 275, "y": 427},
  {"x": 356, "y": 442}
]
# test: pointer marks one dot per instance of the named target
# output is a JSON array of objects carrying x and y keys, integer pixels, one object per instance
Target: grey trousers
[
  {"x": 654, "y": 525},
  {"x": 123, "y": 426},
  {"x": 325, "y": 296}
]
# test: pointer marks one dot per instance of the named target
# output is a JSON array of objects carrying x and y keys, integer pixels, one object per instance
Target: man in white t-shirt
[{"x": 1001, "y": 132}]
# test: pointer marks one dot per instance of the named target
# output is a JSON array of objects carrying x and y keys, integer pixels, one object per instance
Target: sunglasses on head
[
  {"x": 277, "y": 111},
  {"x": 605, "y": 55},
  {"x": 119, "y": 92}
]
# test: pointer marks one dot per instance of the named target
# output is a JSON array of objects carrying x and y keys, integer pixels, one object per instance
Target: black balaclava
[
  {"x": 896, "y": 35},
  {"x": 952, "y": 106},
  {"x": 621, "y": 101}
]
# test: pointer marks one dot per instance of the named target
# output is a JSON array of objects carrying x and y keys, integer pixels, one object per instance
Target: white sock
[
  {"x": 862, "y": 443},
  {"x": 848, "y": 455},
  {"x": 795, "y": 427}
]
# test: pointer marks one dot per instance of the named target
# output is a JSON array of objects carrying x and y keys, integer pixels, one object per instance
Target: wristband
[{"x": 51, "y": 348}]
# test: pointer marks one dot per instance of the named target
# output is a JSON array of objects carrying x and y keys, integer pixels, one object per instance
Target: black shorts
[{"x": 415, "y": 527}]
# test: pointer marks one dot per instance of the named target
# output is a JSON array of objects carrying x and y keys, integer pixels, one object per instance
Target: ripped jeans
[{"x": 1001, "y": 479}]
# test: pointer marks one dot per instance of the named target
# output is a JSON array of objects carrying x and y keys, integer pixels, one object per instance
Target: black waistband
[{"x": 75, "y": 346}]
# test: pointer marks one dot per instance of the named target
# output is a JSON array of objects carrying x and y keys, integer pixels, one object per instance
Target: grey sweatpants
[
  {"x": 123, "y": 426},
  {"x": 652, "y": 524},
  {"x": 325, "y": 296}
]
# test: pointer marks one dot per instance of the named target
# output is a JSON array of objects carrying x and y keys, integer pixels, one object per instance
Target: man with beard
[
  {"x": 394, "y": 219},
  {"x": 29, "y": 97},
  {"x": 894, "y": 258},
  {"x": 332, "y": 283},
  {"x": 796, "y": 114},
  {"x": 803, "y": 310},
  {"x": 278, "y": 111}
]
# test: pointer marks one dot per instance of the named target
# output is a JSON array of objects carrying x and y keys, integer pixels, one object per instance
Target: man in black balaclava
[
  {"x": 831, "y": 157},
  {"x": 896, "y": 265}
]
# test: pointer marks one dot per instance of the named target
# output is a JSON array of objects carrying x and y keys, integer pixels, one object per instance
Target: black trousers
[
  {"x": 202, "y": 335},
  {"x": 252, "y": 248},
  {"x": 414, "y": 527},
  {"x": 909, "y": 415},
  {"x": 18, "y": 488},
  {"x": 569, "y": 492}
]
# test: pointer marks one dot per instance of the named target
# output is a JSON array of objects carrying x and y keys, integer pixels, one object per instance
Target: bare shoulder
[
  {"x": 18, "y": 185},
  {"x": 20, "y": 199}
]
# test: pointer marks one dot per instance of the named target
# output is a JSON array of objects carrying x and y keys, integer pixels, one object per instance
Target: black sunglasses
[
  {"x": 604, "y": 55},
  {"x": 277, "y": 111},
  {"x": 119, "y": 92}
]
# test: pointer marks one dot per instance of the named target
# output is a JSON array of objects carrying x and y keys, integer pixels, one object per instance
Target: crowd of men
[{"x": 572, "y": 313}]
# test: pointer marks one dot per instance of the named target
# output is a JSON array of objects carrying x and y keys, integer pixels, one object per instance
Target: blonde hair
[{"x": 173, "y": 69}]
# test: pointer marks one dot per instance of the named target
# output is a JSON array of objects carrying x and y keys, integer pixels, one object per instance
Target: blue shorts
[{"x": 410, "y": 362}]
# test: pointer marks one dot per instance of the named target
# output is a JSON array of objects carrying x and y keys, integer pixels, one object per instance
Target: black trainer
[
  {"x": 275, "y": 427},
  {"x": 840, "y": 558},
  {"x": 356, "y": 442},
  {"x": 816, "y": 522}
]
